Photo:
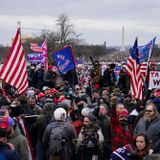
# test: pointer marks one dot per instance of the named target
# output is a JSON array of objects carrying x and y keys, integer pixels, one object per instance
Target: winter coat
[
  {"x": 32, "y": 78},
  {"x": 152, "y": 129},
  {"x": 120, "y": 135},
  {"x": 8, "y": 153},
  {"x": 104, "y": 123},
  {"x": 49, "y": 78},
  {"x": 20, "y": 143},
  {"x": 39, "y": 76},
  {"x": 109, "y": 78},
  {"x": 70, "y": 135}
]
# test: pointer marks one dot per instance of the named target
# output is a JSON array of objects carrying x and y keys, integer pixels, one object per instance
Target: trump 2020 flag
[
  {"x": 144, "y": 55},
  {"x": 145, "y": 51},
  {"x": 64, "y": 59}
]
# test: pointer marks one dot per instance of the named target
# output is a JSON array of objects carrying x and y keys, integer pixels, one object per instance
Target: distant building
[{"x": 24, "y": 38}]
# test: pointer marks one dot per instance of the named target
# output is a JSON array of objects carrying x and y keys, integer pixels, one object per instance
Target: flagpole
[
  {"x": 47, "y": 58},
  {"x": 19, "y": 27}
]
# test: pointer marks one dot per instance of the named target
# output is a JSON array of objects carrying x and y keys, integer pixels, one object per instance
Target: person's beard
[{"x": 148, "y": 118}]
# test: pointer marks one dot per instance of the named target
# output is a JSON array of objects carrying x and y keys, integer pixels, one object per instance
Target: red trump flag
[{"x": 14, "y": 68}]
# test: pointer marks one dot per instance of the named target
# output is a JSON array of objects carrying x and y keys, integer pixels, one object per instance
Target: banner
[
  {"x": 154, "y": 79},
  {"x": 35, "y": 57}
]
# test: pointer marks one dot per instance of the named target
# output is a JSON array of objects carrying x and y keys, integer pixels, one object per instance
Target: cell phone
[{"x": 2, "y": 113}]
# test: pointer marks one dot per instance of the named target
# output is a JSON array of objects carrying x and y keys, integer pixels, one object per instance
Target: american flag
[
  {"x": 14, "y": 68},
  {"x": 35, "y": 48},
  {"x": 45, "y": 57},
  {"x": 137, "y": 67},
  {"x": 132, "y": 69}
]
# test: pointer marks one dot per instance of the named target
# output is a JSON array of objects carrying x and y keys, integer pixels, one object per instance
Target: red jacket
[{"x": 120, "y": 135}]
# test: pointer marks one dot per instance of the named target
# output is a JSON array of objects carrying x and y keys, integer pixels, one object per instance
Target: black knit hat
[{"x": 91, "y": 117}]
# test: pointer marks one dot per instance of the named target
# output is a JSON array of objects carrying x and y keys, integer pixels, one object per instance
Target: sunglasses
[{"x": 148, "y": 110}]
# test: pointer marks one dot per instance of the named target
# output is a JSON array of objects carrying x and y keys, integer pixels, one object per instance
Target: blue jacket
[{"x": 8, "y": 153}]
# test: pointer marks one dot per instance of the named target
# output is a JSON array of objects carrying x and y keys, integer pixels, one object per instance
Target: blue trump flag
[
  {"x": 145, "y": 51},
  {"x": 64, "y": 59}
]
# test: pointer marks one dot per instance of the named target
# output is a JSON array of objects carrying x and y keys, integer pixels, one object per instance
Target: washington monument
[{"x": 122, "y": 49}]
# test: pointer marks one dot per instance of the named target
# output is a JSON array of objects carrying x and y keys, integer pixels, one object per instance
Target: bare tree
[{"x": 66, "y": 28}]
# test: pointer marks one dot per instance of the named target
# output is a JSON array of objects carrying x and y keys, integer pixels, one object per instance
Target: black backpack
[{"x": 57, "y": 138}]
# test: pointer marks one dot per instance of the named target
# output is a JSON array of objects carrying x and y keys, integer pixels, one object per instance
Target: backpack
[{"x": 57, "y": 139}]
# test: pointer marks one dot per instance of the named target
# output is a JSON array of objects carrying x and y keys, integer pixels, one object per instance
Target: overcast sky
[{"x": 97, "y": 20}]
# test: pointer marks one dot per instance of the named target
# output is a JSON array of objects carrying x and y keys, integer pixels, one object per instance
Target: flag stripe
[
  {"x": 23, "y": 82},
  {"x": 14, "y": 67},
  {"x": 9, "y": 60},
  {"x": 19, "y": 72},
  {"x": 20, "y": 81},
  {"x": 16, "y": 61},
  {"x": 24, "y": 87}
]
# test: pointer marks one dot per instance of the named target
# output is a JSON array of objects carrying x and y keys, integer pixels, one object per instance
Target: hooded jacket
[{"x": 20, "y": 143}]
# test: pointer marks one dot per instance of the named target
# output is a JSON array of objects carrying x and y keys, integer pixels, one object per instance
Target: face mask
[{"x": 70, "y": 92}]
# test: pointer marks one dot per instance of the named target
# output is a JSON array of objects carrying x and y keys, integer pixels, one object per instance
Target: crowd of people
[{"x": 82, "y": 115}]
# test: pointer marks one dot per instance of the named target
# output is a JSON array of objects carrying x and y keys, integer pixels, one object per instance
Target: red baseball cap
[
  {"x": 40, "y": 95},
  {"x": 53, "y": 90}
]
